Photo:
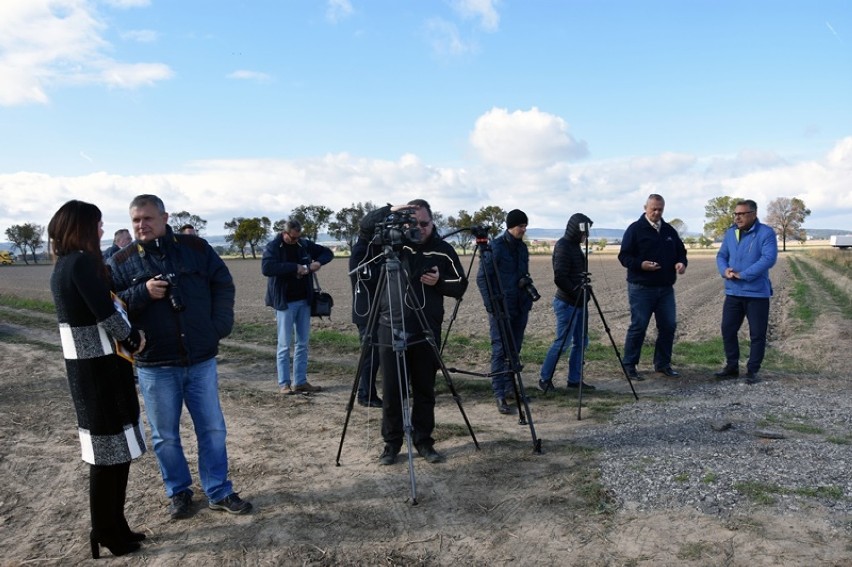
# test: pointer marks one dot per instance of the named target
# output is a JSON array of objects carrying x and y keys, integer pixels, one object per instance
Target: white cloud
[
  {"x": 337, "y": 10},
  {"x": 127, "y": 3},
  {"x": 246, "y": 75},
  {"x": 141, "y": 36},
  {"x": 611, "y": 192},
  {"x": 484, "y": 10},
  {"x": 524, "y": 139},
  {"x": 445, "y": 38},
  {"x": 48, "y": 43}
]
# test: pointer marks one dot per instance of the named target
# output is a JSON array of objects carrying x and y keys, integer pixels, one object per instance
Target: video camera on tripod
[{"x": 398, "y": 228}]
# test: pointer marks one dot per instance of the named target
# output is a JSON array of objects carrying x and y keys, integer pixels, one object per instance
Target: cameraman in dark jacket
[
  {"x": 289, "y": 263},
  {"x": 181, "y": 294},
  {"x": 654, "y": 256},
  {"x": 430, "y": 270},
  {"x": 509, "y": 261},
  {"x": 569, "y": 305}
]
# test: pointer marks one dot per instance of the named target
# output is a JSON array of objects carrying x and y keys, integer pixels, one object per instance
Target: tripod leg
[
  {"x": 612, "y": 341},
  {"x": 366, "y": 347}
]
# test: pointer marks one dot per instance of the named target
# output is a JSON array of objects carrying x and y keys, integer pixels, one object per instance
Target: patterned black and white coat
[{"x": 101, "y": 383}]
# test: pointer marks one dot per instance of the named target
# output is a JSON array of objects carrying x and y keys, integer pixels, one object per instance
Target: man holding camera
[
  {"x": 430, "y": 270},
  {"x": 654, "y": 256},
  {"x": 289, "y": 263},
  {"x": 506, "y": 266},
  {"x": 181, "y": 294}
]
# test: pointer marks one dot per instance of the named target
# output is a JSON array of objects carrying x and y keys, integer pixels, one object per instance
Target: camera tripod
[
  {"x": 499, "y": 311},
  {"x": 392, "y": 289},
  {"x": 581, "y": 305}
]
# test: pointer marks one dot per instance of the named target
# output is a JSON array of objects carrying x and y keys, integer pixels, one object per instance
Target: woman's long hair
[{"x": 75, "y": 227}]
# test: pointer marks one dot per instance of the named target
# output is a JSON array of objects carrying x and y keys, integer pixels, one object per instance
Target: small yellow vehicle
[{"x": 6, "y": 257}]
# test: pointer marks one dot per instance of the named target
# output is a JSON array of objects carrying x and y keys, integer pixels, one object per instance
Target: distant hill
[{"x": 611, "y": 234}]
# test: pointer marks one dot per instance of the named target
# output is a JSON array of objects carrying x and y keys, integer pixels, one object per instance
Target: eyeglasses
[
  {"x": 743, "y": 213},
  {"x": 424, "y": 223}
]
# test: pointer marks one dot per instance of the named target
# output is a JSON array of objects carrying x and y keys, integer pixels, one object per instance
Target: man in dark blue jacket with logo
[
  {"x": 181, "y": 294},
  {"x": 289, "y": 263},
  {"x": 654, "y": 256}
]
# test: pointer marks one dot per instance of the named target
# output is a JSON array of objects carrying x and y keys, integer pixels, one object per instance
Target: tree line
[{"x": 785, "y": 215}]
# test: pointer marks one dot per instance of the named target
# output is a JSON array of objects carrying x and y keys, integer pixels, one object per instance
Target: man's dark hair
[
  {"x": 748, "y": 203},
  {"x": 186, "y": 226},
  {"x": 292, "y": 224},
  {"x": 423, "y": 204}
]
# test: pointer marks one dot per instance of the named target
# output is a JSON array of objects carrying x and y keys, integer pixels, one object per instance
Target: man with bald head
[{"x": 654, "y": 256}]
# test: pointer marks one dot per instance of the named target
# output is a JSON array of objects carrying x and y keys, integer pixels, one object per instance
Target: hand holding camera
[{"x": 170, "y": 289}]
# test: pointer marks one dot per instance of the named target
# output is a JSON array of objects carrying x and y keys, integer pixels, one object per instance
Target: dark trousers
[
  {"x": 367, "y": 380},
  {"x": 644, "y": 302},
  {"x": 734, "y": 310},
  {"x": 501, "y": 377},
  {"x": 107, "y": 492},
  {"x": 420, "y": 361}
]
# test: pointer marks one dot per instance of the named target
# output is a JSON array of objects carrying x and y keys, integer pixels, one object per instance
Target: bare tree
[{"x": 786, "y": 216}]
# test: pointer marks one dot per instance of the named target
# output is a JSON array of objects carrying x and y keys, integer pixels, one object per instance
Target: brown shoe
[
  {"x": 308, "y": 387},
  {"x": 287, "y": 390}
]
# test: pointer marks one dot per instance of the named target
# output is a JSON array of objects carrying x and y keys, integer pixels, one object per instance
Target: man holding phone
[{"x": 654, "y": 256}]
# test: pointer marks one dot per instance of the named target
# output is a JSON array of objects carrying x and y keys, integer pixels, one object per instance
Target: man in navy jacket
[
  {"x": 289, "y": 263},
  {"x": 654, "y": 255},
  {"x": 748, "y": 250}
]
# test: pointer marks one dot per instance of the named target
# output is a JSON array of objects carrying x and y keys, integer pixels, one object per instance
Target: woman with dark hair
[{"x": 101, "y": 382}]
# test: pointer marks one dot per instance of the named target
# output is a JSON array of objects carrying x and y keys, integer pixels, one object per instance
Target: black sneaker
[
  {"x": 371, "y": 403},
  {"x": 232, "y": 504},
  {"x": 586, "y": 386},
  {"x": 752, "y": 378},
  {"x": 503, "y": 406},
  {"x": 179, "y": 508},
  {"x": 388, "y": 456},
  {"x": 429, "y": 453},
  {"x": 545, "y": 386}
]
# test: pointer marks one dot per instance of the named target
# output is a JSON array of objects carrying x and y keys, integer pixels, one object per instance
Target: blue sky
[{"x": 227, "y": 108}]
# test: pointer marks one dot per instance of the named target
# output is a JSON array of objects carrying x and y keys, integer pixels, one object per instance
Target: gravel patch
[{"x": 724, "y": 448}]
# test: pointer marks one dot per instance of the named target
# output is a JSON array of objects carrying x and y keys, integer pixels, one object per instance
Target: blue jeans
[
  {"x": 644, "y": 302},
  {"x": 571, "y": 337},
  {"x": 501, "y": 376},
  {"x": 367, "y": 380},
  {"x": 734, "y": 310},
  {"x": 165, "y": 390},
  {"x": 295, "y": 319}
]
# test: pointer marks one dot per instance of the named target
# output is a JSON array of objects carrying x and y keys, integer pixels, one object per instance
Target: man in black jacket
[
  {"x": 181, "y": 294},
  {"x": 430, "y": 270},
  {"x": 569, "y": 305},
  {"x": 654, "y": 256}
]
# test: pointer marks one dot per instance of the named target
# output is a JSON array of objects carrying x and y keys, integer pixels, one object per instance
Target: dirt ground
[{"x": 500, "y": 504}]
